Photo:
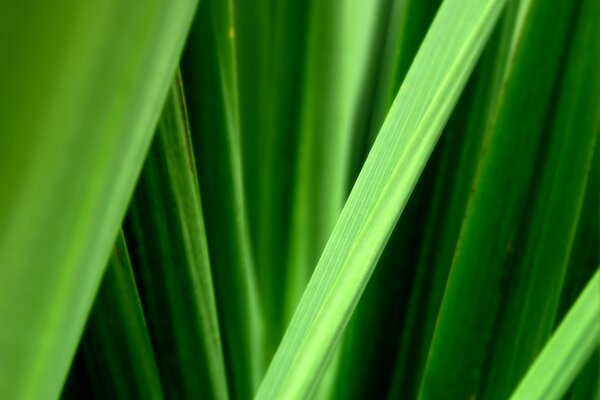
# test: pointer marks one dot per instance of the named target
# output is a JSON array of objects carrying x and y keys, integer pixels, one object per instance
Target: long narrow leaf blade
[
  {"x": 337, "y": 57},
  {"x": 83, "y": 84},
  {"x": 408, "y": 135},
  {"x": 270, "y": 49},
  {"x": 486, "y": 249},
  {"x": 567, "y": 350},
  {"x": 583, "y": 262},
  {"x": 530, "y": 308},
  {"x": 115, "y": 349},
  {"x": 371, "y": 336},
  {"x": 464, "y": 137},
  {"x": 210, "y": 79},
  {"x": 167, "y": 241}
]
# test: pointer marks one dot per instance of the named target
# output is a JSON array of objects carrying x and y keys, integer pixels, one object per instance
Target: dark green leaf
[{"x": 167, "y": 241}]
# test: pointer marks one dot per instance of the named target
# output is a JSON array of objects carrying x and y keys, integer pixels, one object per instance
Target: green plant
[{"x": 332, "y": 199}]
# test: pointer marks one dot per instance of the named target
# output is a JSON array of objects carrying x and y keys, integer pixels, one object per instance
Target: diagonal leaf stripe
[{"x": 405, "y": 141}]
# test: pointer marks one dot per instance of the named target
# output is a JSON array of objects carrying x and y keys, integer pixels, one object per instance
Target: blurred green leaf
[
  {"x": 271, "y": 49},
  {"x": 82, "y": 88}
]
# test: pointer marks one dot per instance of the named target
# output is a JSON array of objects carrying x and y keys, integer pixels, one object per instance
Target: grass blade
[
  {"x": 583, "y": 262},
  {"x": 397, "y": 158},
  {"x": 270, "y": 97},
  {"x": 459, "y": 154},
  {"x": 407, "y": 26},
  {"x": 115, "y": 350},
  {"x": 210, "y": 77},
  {"x": 542, "y": 255},
  {"x": 336, "y": 62},
  {"x": 459, "y": 157},
  {"x": 489, "y": 231},
  {"x": 167, "y": 242},
  {"x": 577, "y": 337},
  {"x": 331, "y": 82},
  {"x": 585, "y": 254},
  {"x": 95, "y": 76},
  {"x": 371, "y": 337}
]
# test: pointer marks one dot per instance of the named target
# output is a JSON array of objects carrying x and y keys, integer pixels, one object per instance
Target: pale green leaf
[{"x": 408, "y": 135}]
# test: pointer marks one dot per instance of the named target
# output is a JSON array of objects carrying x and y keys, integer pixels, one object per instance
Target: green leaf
[
  {"x": 576, "y": 338},
  {"x": 210, "y": 78},
  {"x": 167, "y": 242},
  {"x": 497, "y": 206},
  {"x": 82, "y": 88},
  {"x": 460, "y": 153},
  {"x": 408, "y": 23},
  {"x": 585, "y": 255},
  {"x": 336, "y": 62},
  {"x": 542, "y": 254},
  {"x": 371, "y": 338},
  {"x": 583, "y": 262},
  {"x": 332, "y": 81},
  {"x": 587, "y": 382},
  {"x": 115, "y": 349},
  {"x": 397, "y": 158},
  {"x": 271, "y": 56}
]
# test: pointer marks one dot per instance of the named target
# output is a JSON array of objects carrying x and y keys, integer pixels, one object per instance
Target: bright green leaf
[
  {"x": 408, "y": 135},
  {"x": 83, "y": 84}
]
